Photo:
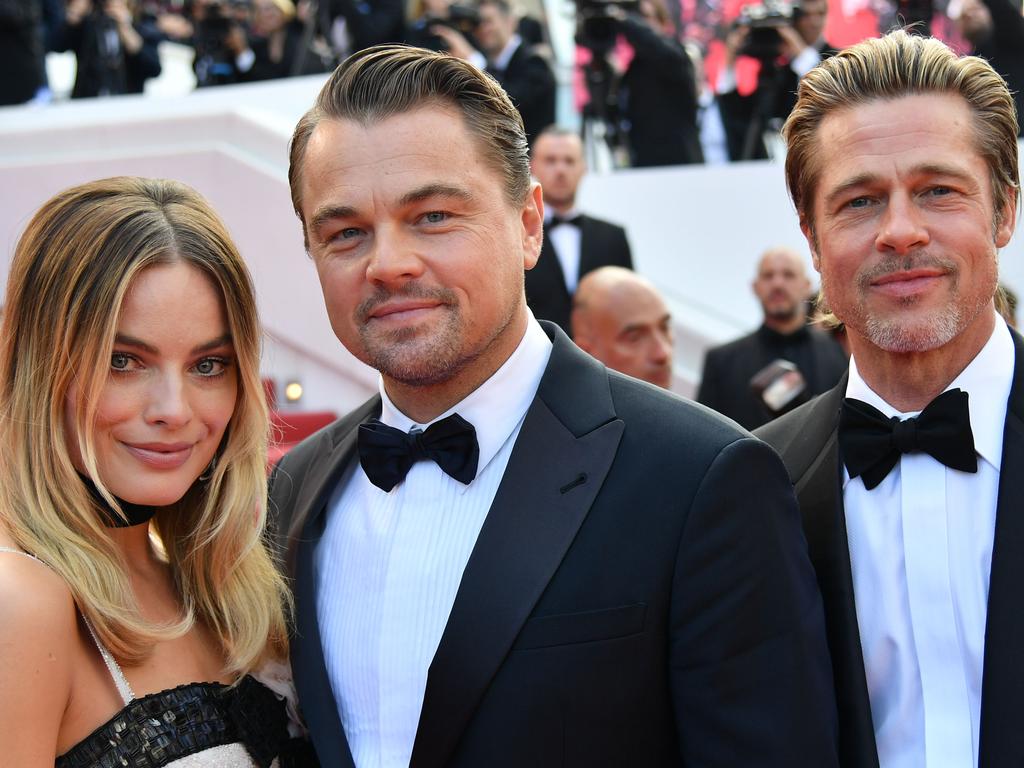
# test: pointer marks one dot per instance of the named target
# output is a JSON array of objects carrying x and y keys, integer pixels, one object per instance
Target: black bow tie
[
  {"x": 387, "y": 454},
  {"x": 872, "y": 444},
  {"x": 556, "y": 220}
]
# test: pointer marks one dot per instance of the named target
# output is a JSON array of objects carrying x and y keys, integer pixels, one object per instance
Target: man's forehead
[
  {"x": 777, "y": 261},
  {"x": 423, "y": 137}
]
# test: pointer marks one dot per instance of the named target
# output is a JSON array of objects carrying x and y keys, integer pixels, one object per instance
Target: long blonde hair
[{"x": 71, "y": 270}]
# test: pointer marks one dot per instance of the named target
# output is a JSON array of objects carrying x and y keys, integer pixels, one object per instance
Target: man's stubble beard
[
  {"x": 898, "y": 332},
  {"x": 420, "y": 357}
]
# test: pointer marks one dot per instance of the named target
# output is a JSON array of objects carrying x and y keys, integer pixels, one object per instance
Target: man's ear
[
  {"x": 812, "y": 241},
  {"x": 532, "y": 217},
  {"x": 1008, "y": 219}
]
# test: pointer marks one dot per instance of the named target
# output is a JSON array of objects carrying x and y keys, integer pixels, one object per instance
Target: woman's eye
[
  {"x": 210, "y": 366},
  {"x": 119, "y": 361}
]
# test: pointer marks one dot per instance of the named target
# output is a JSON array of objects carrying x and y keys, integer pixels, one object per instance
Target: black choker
[{"x": 137, "y": 514}]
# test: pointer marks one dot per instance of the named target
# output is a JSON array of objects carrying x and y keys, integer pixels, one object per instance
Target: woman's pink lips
[{"x": 161, "y": 456}]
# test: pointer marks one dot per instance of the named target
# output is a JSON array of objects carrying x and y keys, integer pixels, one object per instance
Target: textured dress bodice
[{"x": 195, "y": 725}]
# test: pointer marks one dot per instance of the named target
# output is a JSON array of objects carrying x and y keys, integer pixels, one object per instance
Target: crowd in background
[{"x": 658, "y": 89}]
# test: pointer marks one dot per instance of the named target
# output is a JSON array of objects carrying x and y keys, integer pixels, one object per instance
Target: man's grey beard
[
  {"x": 891, "y": 336},
  {"x": 893, "y": 333}
]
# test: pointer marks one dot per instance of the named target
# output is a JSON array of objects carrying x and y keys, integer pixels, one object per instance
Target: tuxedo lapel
[
  {"x": 810, "y": 450},
  {"x": 564, "y": 450},
  {"x": 1002, "y": 739},
  {"x": 319, "y": 707},
  {"x": 820, "y": 493}
]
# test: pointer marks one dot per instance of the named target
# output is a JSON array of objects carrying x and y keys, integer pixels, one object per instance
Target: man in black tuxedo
[
  {"x": 782, "y": 287},
  {"x": 523, "y": 72},
  {"x": 910, "y": 488},
  {"x": 574, "y": 243},
  {"x": 512, "y": 556}
]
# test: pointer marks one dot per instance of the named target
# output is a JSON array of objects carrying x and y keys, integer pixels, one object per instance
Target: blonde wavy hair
[{"x": 71, "y": 270}]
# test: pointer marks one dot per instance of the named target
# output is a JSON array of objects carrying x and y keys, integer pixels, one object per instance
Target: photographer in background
[
  {"x": 995, "y": 30},
  {"x": 279, "y": 44},
  {"x": 519, "y": 68},
  {"x": 220, "y": 41},
  {"x": 788, "y": 41},
  {"x": 426, "y": 14},
  {"x": 115, "y": 53},
  {"x": 351, "y": 25},
  {"x": 21, "y": 51},
  {"x": 658, "y": 92}
]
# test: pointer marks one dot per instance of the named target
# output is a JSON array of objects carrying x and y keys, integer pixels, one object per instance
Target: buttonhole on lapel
[{"x": 580, "y": 480}]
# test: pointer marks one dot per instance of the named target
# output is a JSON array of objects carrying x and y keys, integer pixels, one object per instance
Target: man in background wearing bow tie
[
  {"x": 512, "y": 556},
  {"x": 902, "y": 164},
  {"x": 574, "y": 244}
]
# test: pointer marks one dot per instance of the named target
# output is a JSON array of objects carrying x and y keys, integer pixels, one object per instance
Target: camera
[
  {"x": 463, "y": 19},
  {"x": 214, "y": 62},
  {"x": 596, "y": 26},
  {"x": 764, "y": 20}
]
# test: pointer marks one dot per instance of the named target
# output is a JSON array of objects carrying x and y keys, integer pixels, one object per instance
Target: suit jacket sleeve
[{"x": 750, "y": 671}]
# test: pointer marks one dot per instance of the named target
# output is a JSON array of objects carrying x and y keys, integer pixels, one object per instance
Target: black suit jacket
[
  {"x": 602, "y": 244},
  {"x": 625, "y": 603},
  {"x": 808, "y": 442},
  {"x": 728, "y": 369},
  {"x": 659, "y": 97},
  {"x": 530, "y": 83}
]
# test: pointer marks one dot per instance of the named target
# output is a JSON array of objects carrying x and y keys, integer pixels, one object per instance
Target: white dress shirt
[
  {"x": 389, "y": 564},
  {"x": 921, "y": 553},
  {"x": 565, "y": 239}
]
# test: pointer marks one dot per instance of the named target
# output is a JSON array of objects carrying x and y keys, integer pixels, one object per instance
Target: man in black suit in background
[
  {"x": 512, "y": 556},
  {"x": 782, "y": 287},
  {"x": 523, "y": 72},
  {"x": 574, "y": 243},
  {"x": 902, "y": 164}
]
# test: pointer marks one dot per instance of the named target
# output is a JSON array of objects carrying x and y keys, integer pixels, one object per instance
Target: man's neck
[
  {"x": 786, "y": 325},
  {"x": 423, "y": 404},
  {"x": 908, "y": 381}
]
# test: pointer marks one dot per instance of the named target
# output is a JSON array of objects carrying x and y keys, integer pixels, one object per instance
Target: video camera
[
  {"x": 461, "y": 18},
  {"x": 596, "y": 26},
  {"x": 764, "y": 21}
]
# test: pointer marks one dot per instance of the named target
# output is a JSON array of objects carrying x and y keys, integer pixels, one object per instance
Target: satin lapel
[
  {"x": 552, "y": 478},
  {"x": 819, "y": 490},
  {"x": 1002, "y": 738},
  {"x": 319, "y": 708}
]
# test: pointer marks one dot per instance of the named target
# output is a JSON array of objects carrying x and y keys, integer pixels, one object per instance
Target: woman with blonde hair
[{"x": 138, "y": 602}]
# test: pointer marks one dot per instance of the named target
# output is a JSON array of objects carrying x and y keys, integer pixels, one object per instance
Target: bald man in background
[
  {"x": 620, "y": 319},
  {"x": 738, "y": 376}
]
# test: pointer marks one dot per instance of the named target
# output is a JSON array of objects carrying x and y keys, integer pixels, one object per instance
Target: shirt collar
[
  {"x": 549, "y": 214},
  {"x": 501, "y": 61},
  {"x": 986, "y": 380},
  {"x": 496, "y": 407}
]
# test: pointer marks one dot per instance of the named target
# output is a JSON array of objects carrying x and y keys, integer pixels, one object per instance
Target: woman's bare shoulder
[{"x": 39, "y": 640}]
